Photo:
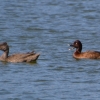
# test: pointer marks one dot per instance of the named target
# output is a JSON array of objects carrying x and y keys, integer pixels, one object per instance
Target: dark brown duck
[
  {"x": 78, "y": 54},
  {"x": 20, "y": 57}
]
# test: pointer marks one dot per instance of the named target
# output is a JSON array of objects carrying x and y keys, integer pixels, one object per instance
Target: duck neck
[
  {"x": 79, "y": 50},
  {"x": 5, "y": 54}
]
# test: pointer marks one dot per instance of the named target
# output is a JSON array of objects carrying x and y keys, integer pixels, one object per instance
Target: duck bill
[{"x": 72, "y": 45}]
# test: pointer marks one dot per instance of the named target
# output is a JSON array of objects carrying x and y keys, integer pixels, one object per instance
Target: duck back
[{"x": 88, "y": 55}]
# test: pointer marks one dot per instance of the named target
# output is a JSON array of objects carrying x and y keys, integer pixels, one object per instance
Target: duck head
[
  {"x": 4, "y": 46},
  {"x": 78, "y": 45}
]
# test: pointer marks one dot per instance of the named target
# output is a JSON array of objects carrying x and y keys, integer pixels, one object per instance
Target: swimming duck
[
  {"x": 88, "y": 54},
  {"x": 19, "y": 57}
]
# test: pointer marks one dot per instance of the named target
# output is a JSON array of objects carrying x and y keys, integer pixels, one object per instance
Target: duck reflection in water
[
  {"x": 88, "y": 54},
  {"x": 19, "y": 57}
]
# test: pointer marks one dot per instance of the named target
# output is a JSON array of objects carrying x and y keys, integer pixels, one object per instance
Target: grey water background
[{"x": 48, "y": 26}]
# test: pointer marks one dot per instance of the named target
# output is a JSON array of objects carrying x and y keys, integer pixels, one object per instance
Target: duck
[
  {"x": 18, "y": 57},
  {"x": 78, "y": 54}
]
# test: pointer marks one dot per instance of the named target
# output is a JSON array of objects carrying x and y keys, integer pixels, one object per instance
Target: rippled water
[{"x": 48, "y": 26}]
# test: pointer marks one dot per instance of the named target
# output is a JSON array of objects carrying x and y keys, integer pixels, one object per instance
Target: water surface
[{"x": 48, "y": 26}]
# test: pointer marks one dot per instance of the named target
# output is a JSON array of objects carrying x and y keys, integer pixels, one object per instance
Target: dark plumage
[
  {"x": 88, "y": 54},
  {"x": 19, "y": 57}
]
